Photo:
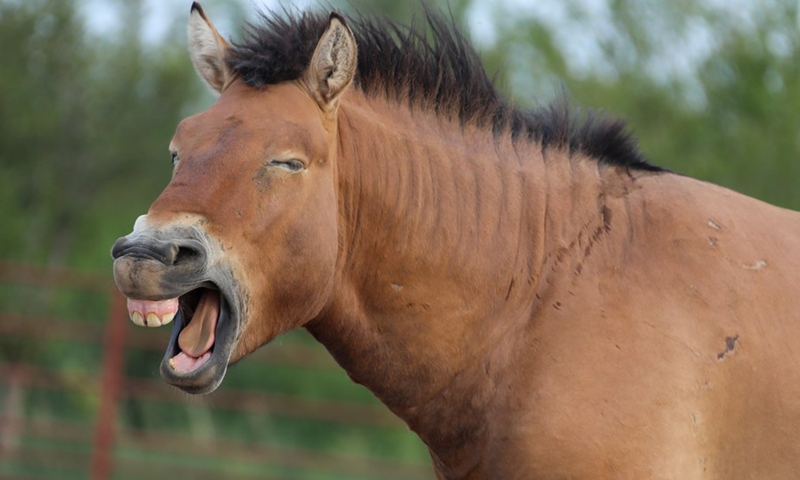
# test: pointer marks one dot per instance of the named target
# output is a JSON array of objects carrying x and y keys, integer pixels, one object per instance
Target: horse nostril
[
  {"x": 182, "y": 252},
  {"x": 186, "y": 254},
  {"x": 169, "y": 252}
]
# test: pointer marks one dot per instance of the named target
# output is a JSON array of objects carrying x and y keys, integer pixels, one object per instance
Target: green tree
[{"x": 84, "y": 125}]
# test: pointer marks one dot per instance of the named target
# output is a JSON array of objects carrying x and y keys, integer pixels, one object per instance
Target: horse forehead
[
  {"x": 283, "y": 109},
  {"x": 285, "y": 101}
]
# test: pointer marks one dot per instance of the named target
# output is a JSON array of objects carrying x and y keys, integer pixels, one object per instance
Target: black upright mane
[{"x": 438, "y": 69}]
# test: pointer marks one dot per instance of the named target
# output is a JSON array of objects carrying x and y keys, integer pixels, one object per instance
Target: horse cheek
[{"x": 308, "y": 271}]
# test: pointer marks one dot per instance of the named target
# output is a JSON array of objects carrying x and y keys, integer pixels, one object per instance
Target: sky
[{"x": 101, "y": 15}]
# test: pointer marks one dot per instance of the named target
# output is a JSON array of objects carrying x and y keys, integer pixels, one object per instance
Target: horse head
[{"x": 242, "y": 243}]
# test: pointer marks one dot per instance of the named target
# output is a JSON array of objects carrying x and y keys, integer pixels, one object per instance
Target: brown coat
[{"x": 530, "y": 307}]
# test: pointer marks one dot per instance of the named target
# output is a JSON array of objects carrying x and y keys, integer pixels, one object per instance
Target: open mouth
[
  {"x": 202, "y": 337},
  {"x": 199, "y": 313}
]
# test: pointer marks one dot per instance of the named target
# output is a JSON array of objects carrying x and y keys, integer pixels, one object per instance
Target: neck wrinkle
[
  {"x": 577, "y": 217},
  {"x": 427, "y": 265}
]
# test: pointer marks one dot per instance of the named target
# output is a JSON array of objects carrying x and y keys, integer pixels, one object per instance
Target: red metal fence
[{"x": 66, "y": 414}]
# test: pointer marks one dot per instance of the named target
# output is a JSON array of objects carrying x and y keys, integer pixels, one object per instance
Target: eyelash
[{"x": 290, "y": 165}]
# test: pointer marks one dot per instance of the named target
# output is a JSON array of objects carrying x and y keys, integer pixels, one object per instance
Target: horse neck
[{"x": 444, "y": 235}]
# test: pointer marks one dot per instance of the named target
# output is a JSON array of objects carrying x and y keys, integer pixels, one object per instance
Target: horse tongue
[{"x": 197, "y": 338}]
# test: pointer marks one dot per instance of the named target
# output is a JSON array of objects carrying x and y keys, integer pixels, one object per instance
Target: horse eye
[{"x": 290, "y": 165}]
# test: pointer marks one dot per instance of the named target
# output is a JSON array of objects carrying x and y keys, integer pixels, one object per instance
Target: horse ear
[
  {"x": 333, "y": 64},
  {"x": 207, "y": 49}
]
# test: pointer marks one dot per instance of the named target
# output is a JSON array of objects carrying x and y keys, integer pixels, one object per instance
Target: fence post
[
  {"x": 10, "y": 416},
  {"x": 112, "y": 374}
]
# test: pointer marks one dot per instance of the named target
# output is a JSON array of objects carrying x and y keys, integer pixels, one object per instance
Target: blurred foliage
[
  {"x": 84, "y": 124},
  {"x": 711, "y": 89}
]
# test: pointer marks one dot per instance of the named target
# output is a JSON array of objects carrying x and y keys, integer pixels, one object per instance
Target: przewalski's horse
[{"x": 521, "y": 288}]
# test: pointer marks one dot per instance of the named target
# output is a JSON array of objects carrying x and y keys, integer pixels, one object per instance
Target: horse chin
[{"x": 210, "y": 369}]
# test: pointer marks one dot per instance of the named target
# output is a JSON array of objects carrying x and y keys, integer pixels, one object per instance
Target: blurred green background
[{"x": 90, "y": 93}]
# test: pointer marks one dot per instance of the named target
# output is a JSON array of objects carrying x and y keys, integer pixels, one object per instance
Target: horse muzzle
[
  {"x": 154, "y": 269},
  {"x": 173, "y": 274}
]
